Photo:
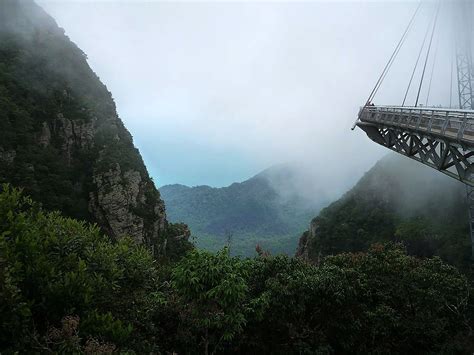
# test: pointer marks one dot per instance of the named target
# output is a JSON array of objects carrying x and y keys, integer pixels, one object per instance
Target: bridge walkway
[{"x": 438, "y": 137}]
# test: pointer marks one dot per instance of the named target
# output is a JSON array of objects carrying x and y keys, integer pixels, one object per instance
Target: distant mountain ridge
[{"x": 267, "y": 209}]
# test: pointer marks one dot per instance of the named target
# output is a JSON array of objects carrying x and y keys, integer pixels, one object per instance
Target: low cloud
[{"x": 271, "y": 82}]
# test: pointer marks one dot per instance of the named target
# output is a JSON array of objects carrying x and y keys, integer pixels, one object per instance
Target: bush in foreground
[{"x": 66, "y": 288}]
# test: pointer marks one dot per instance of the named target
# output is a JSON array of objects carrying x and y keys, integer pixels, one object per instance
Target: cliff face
[
  {"x": 60, "y": 136},
  {"x": 398, "y": 200}
]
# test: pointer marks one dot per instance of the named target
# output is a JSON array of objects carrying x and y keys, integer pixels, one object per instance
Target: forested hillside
[
  {"x": 397, "y": 200},
  {"x": 270, "y": 209},
  {"x": 65, "y": 288},
  {"x": 60, "y": 136}
]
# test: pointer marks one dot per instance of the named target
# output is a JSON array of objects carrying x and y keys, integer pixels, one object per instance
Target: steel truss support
[
  {"x": 463, "y": 13},
  {"x": 443, "y": 155}
]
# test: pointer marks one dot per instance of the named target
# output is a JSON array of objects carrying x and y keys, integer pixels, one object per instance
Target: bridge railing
[{"x": 444, "y": 123}]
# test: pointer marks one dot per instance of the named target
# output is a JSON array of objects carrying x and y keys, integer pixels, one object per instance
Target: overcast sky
[{"x": 214, "y": 92}]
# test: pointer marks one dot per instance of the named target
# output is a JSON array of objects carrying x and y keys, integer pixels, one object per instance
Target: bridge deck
[
  {"x": 445, "y": 124},
  {"x": 440, "y": 138}
]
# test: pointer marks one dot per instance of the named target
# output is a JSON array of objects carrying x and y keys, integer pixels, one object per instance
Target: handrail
[
  {"x": 457, "y": 125},
  {"x": 451, "y": 114},
  {"x": 424, "y": 108}
]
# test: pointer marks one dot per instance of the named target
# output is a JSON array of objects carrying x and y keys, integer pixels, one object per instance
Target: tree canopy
[{"x": 65, "y": 287}]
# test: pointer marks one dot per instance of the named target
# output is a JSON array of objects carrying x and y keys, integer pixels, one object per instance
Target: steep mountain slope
[
  {"x": 60, "y": 136},
  {"x": 397, "y": 200},
  {"x": 267, "y": 209}
]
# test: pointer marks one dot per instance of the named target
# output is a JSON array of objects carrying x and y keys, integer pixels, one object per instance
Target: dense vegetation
[
  {"x": 264, "y": 210},
  {"x": 398, "y": 200},
  {"x": 64, "y": 287}
]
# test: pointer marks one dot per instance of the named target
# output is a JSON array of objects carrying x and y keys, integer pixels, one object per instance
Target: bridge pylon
[{"x": 465, "y": 75}]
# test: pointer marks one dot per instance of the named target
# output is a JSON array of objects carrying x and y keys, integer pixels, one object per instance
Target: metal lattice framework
[
  {"x": 463, "y": 12},
  {"x": 464, "y": 61},
  {"x": 440, "y": 138}
]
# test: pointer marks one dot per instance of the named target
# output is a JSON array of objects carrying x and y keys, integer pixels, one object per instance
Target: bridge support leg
[{"x": 470, "y": 205}]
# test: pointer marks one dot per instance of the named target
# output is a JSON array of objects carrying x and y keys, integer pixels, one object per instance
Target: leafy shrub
[
  {"x": 53, "y": 267},
  {"x": 213, "y": 292},
  {"x": 66, "y": 288},
  {"x": 382, "y": 301}
]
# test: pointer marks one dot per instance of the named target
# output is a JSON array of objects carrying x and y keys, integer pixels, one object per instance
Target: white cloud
[{"x": 274, "y": 80}]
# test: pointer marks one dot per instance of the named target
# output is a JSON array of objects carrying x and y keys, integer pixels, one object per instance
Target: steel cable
[
  {"x": 416, "y": 63},
  {"x": 392, "y": 58},
  {"x": 427, "y": 54},
  {"x": 432, "y": 72}
]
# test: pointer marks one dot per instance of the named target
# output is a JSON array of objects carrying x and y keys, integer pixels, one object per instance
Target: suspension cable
[
  {"x": 427, "y": 54},
  {"x": 451, "y": 86},
  {"x": 432, "y": 71},
  {"x": 416, "y": 63},
  {"x": 392, "y": 58},
  {"x": 387, "y": 71}
]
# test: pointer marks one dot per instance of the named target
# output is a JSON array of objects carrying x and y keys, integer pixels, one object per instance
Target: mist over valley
[{"x": 182, "y": 177}]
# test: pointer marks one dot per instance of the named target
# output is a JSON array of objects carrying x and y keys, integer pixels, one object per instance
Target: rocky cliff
[{"x": 61, "y": 138}]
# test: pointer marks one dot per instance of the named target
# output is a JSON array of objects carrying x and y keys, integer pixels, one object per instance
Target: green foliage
[
  {"x": 382, "y": 301},
  {"x": 65, "y": 288},
  {"x": 399, "y": 297},
  {"x": 109, "y": 328},
  {"x": 397, "y": 201},
  {"x": 53, "y": 267},
  {"x": 213, "y": 290}
]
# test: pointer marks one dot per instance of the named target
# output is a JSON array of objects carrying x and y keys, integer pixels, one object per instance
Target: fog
[{"x": 214, "y": 92}]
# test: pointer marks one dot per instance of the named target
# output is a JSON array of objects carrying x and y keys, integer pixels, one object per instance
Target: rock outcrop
[
  {"x": 61, "y": 138},
  {"x": 117, "y": 198},
  {"x": 304, "y": 243}
]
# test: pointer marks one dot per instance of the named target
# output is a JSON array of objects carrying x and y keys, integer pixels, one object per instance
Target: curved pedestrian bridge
[{"x": 438, "y": 137}]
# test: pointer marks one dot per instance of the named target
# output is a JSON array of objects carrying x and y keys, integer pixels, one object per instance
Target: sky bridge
[{"x": 440, "y": 138}]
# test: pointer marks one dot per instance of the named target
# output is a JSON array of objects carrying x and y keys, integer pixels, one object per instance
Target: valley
[
  {"x": 301, "y": 258},
  {"x": 270, "y": 209}
]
